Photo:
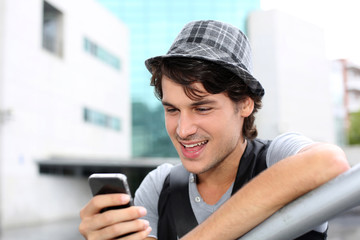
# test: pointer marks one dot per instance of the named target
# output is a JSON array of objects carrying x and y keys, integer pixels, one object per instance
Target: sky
[{"x": 338, "y": 19}]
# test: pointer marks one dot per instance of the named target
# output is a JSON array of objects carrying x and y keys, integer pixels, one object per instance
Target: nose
[{"x": 186, "y": 125}]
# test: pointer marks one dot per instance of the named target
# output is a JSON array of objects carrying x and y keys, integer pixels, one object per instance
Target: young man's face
[{"x": 205, "y": 132}]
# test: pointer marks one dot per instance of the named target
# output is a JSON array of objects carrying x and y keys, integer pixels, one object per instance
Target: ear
[{"x": 246, "y": 107}]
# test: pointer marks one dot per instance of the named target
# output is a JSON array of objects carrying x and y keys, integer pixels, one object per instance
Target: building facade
[
  {"x": 347, "y": 74},
  {"x": 351, "y": 80},
  {"x": 290, "y": 62},
  {"x": 64, "y": 91}
]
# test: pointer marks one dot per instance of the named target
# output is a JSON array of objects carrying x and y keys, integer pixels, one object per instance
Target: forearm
[{"x": 271, "y": 190}]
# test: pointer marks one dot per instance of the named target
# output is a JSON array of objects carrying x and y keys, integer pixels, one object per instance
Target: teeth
[{"x": 194, "y": 145}]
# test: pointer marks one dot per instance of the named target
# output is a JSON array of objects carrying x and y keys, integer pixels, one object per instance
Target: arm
[{"x": 275, "y": 187}]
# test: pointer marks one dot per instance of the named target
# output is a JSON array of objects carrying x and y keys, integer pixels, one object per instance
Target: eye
[
  {"x": 170, "y": 110},
  {"x": 203, "y": 109}
]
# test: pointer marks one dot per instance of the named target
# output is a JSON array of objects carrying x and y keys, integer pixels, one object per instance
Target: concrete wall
[
  {"x": 290, "y": 62},
  {"x": 46, "y": 95}
]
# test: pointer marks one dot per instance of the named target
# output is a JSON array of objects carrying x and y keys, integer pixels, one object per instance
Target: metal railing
[{"x": 312, "y": 209}]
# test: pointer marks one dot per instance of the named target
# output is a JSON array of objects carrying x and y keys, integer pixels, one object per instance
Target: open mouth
[
  {"x": 193, "y": 150},
  {"x": 195, "y": 144}
]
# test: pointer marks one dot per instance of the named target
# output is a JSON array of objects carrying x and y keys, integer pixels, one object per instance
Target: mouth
[
  {"x": 193, "y": 150},
  {"x": 193, "y": 145}
]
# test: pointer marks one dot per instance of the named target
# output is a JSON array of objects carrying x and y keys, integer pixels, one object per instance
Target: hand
[{"x": 113, "y": 223}]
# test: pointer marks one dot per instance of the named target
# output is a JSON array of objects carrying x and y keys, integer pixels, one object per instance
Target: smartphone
[{"x": 105, "y": 183}]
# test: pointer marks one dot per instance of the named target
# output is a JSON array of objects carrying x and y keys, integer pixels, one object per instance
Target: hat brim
[{"x": 237, "y": 69}]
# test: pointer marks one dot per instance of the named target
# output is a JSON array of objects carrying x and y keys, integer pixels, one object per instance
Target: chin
[{"x": 192, "y": 166}]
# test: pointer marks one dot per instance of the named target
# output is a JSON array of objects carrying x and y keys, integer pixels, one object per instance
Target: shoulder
[
  {"x": 285, "y": 145},
  {"x": 153, "y": 182},
  {"x": 159, "y": 174}
]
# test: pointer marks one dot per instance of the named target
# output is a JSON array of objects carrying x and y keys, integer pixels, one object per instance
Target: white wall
[
  {"x": 46, "y": 95},
  {"x": 290, "y": 62},
  {"x": 2, "y": 17}
]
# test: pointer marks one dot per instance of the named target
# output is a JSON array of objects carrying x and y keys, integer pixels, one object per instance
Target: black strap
[
  {"x": 166, "y": 225},
  {"x": 184, "y": 217},
  {"x": 252, "y": 162}
]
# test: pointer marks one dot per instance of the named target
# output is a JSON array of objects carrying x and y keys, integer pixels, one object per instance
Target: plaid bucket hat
[{"x": 217, "y": 42}]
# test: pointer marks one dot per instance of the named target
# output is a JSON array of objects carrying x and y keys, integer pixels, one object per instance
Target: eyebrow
[
  {"x": 194, "y": 104},
  {"x": 166, "y": 104}
]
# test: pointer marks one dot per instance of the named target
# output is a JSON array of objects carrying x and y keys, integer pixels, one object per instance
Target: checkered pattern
[{"x": 217, "y": 42}]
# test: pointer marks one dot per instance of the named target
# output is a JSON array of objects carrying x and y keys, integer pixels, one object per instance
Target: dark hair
[{"x": 215, "y": 79}]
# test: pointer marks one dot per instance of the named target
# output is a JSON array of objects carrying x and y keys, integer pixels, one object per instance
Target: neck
[{"x": 213, "y": 183}]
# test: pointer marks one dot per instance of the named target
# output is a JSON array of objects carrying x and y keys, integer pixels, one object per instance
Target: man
[{"x": 228, "y": 181}]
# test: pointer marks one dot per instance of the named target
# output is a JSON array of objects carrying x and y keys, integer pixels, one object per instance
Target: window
[
  {"x": 102, "y": 119},
  {"x": 52, "y": 34},
  {"x": 101, "y": 54}
]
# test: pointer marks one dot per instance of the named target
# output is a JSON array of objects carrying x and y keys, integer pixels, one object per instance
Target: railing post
[{"x": 312, "y": 209}]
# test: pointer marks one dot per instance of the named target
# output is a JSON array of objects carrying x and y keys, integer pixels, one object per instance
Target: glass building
[{"x": 153, "y": 26}]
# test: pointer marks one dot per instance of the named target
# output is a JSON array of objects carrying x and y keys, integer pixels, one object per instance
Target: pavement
[{"x": 345, "y": 226}]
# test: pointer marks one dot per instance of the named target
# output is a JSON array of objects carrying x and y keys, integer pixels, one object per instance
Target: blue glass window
[
  {"x": 102, "y": 54},
  {"x": 101, "y": 119}
]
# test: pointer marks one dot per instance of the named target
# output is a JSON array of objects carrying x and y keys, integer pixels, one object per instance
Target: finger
[
  {"x": 102, "y": 201},
  {"x": 124, "y": 228},
  {"x": 112, "y": 217},
  {"x": 90, "y": 217},
  {"x": 141, "y": 235}
]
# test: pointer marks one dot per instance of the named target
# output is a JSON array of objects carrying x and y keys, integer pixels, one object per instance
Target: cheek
[
  {"x": 232, "y": 125},
  {"x": 170, "y": 125}
]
